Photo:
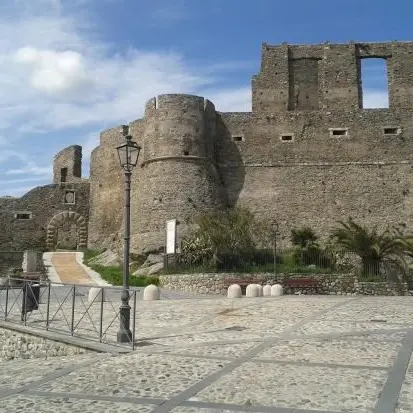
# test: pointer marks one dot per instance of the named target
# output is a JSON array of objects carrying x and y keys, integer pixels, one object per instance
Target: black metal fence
[
  {"x": 84, "y": 311},
  {"x": 265, "y": 260},
  {"x": 290, "y": 261}
]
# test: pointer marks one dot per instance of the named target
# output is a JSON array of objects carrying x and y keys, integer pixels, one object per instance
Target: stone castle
[{"x": 307, "y": 154}]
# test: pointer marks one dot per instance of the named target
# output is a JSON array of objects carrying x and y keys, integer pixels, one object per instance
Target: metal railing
[
  {"x": 69, "y": 309},
  {"x": 266, "y": 261}
]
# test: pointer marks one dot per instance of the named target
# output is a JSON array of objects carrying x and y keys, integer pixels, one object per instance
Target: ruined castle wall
[
  {"x": 24, "y": 220},
  {"x": 106, "y": 196},
  {"x": 178, "y": 178},
  {"x": 67, "y": 165},
  {"x": 308, "y": 154},
  {"x": 316, "y": 179}
]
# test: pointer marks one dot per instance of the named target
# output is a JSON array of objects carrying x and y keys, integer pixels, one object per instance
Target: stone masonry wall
[
  {"x": 15, "y": 345},
  {"x": 67, "y": 165},
  {"x": 39, "y": 206},
  {"x": 333, "y": 284}
]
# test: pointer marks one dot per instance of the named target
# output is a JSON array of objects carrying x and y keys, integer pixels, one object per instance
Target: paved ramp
[{"x": 69, "y": 270}]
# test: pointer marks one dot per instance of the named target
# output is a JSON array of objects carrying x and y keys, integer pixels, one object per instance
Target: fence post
[
  {"x": 25, "y": 293},
  {"x": 73, "y": 310},
  {"x": 134, "y": 320},
  {"x": 48, "y": 307},
  {"x": 101, "y": 315},
  {"x": 7, "y": 300}
]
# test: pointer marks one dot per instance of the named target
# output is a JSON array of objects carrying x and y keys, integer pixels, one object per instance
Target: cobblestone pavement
[{"x": 290, "y": 354}]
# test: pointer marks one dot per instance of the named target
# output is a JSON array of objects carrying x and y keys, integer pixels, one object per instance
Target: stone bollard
[
  {"x": 252, "y": 290},
  {"x": 260, "y": 290},
  {"x": 151, "y": 293},
  {"x": 266, "y": 290},
  {"x": 95, "y": 295},
  {"x": 277, "y": 290},
  {"x": 234, "y": 291}
]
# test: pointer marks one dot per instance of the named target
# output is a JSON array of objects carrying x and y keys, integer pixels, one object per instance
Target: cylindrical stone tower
[{"x": 177, "y": 177}]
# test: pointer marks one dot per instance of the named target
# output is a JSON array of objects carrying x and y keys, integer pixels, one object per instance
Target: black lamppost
[
  {"x": 275, "y": 228},
  {"x": 128, "y": 158}
]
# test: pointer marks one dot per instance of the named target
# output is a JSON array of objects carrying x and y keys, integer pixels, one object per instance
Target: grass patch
[
  {"x": 89, "y": 254},
  {"x": 114, "y": 275}
]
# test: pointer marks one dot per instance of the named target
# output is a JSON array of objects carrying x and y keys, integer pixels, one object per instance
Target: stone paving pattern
[{"x": 290, "y": 354}]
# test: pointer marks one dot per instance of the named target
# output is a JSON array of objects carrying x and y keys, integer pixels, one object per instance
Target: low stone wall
[
  {"x": 16, "y": 345},
  {"x": 371, "y": 288},
  {"x": 333, "y": 284}
]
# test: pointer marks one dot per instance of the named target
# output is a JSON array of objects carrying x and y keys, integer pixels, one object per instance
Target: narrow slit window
[
  {"x": 63, "y": 174},
  {"x": 23, "y": 215},
  {"x": 337, "y": 132},
  {"x": 238, "y": 138},
  {"x": 374, "y": 83},
  {"x": 392, "y": 131},
  {"x": 287, "y": 138}
]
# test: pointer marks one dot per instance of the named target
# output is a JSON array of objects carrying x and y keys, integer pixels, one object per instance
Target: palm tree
[
  {"x": 373, "y": 247},
  {"x": 303, "y": 237}
]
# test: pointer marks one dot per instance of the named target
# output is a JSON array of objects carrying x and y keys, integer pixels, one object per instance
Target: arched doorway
[{"x": 67, "y": 230}]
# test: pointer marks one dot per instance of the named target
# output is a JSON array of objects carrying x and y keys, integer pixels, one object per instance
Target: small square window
[
  {"x": 21, "y": 216},
  {"x": 392, "y": 130},
  {"x": 237, "y": 138},
  {"x": 288, "y": 137},
  {"x": 338, "y": 132}
]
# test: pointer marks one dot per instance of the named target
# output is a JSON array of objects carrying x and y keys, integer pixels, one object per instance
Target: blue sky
[{"x": 73, "y": 68}]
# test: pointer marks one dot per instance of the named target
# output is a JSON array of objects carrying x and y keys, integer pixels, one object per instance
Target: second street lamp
[{"x": 128, "y": 157}]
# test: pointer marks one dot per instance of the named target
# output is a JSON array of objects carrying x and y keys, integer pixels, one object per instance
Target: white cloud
[
  {"x": 58, "y": 75},
  {"x": 51, "y": 71}
]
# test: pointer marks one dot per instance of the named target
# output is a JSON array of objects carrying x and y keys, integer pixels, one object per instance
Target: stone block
[
  {"x": 277, "y": 290},
  {"x": 266, "y": 290},
  {"x": 234, "y": 291},
  {"x": 151, "y": 293},
  {"x": 252, "y": 290},
  {"x": 96, "y": 295}
]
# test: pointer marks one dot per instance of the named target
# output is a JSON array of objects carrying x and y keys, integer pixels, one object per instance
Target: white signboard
[{"x": 171, "y": 236}]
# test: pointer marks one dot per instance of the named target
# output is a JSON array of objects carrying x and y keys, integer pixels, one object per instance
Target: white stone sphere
[
  {"x": 277, "y": 290},
  {"x": 151, "y": 293},
  {"x": 266, "y": 290},
  {"x": 96, "y": 295},
  {"x": 234, "y": 291},
  {"x": 252, "y": 290}
]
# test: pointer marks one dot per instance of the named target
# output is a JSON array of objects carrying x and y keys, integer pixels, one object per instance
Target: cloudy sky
[{"x": 71, "y": 68}]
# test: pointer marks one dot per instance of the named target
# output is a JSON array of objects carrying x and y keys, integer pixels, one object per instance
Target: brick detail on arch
[{"x": 67, "y": 216}]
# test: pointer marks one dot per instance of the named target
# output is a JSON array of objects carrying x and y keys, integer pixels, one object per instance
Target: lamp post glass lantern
[{"x": 128, "y": 158}]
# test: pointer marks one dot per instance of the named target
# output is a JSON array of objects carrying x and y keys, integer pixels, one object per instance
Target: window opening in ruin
[
  {"x": 338, "y": 131},
  {"x": 238, "y": 138},
  {"x": 374, "y": 86},
  {"x": 23, "y": 215},
  {"x": 63, "y": 174},
  {"x": 287, "y": 138},
  {"x": 186, "y": 153},
  {"x": 391, "y": 131}
]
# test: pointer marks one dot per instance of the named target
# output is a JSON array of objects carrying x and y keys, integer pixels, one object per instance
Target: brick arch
[{"x": 67, "y": 216}]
